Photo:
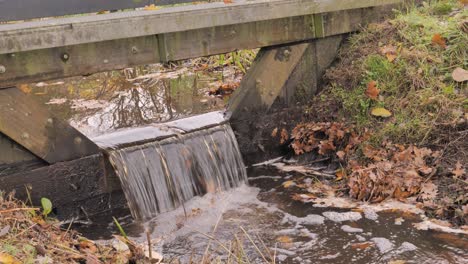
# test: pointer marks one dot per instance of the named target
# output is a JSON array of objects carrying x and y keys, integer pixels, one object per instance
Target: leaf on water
[
  {"x": 459, "y": 170},
  {"x": 307, "y": 197},
  {"x": 151, "y": 7},
  {"x": 46, "y": 206},
  {"x": 460, "y": 75},
  {"x": 288, "y": 184},
  {"x": 399, "y": 261},
  {"x": 437, "y": 39},
  {"x": 274, "y": 133},
  {"x": 284, "y": 239},
  {"x": 362, "y": 246},
  {"x": 381, "y": 112},
  {"x": 372, "y": 91},
  {"x": 8, "y": 259}
]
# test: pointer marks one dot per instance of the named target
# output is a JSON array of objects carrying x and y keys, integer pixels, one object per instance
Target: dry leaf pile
[
  {"x": 26, "y": 236},
  {"x": 395, "y": 172}
]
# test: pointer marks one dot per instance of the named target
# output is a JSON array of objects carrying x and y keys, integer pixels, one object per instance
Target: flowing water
[
  {"x": 263, "y": 218},
  {"x": 165, "y": 183},
  {"x": 160, "y": 176}
]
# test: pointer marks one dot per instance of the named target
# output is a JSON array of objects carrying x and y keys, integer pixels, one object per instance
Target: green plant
[
  {"x": 121, "y": 230},
  {"x": 46, "y": 206}
]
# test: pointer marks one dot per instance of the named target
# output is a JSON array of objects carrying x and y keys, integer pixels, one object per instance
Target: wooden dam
[{"x": 53, "y": 39}]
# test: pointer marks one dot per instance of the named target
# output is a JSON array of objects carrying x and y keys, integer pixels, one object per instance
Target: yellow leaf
[
  {"x": 390, "y": 57},
  {"x": 288, "y": 184},
  {"x": 284, "y": 239},
  {"x": 380, "y": 111},
  {"x": 151, "y": 7},
  {"x": 460, "y": 75},
  {"x": 8, "y": 259},
  {"x": 397, "y": 262}
]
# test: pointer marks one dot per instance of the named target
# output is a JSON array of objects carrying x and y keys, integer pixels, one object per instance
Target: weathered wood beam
[
  {"x": 76, "y": 188},
  {"x": 217, "y": 40},
  {"x": 87, "y": 29},
  {"x": 12, "y": 10},
  {"x": 265, "y": 79},
  {"x": 30, "y": 124},
  {"x": 45, "y": 64}
]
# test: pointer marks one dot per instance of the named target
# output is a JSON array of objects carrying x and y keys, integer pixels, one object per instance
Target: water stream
[
  {"x": 189, "y": 191},
  {"x": 160, "y": 176}
]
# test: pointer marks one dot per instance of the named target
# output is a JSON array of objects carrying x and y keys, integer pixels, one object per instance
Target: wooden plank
[
  {"x": 76, "y": 187},
  {"x": 11, "y": 10},
  {"x": 40, "y": 65},
  {"x": 265, "y": 79},
  {"x": 217, "y": 40},
  {"x": 86, "y": 29},
  {"x": 30, "y": 124},
  {"x": 11, "y": 152},
  {"x": 45, "y": 64}
]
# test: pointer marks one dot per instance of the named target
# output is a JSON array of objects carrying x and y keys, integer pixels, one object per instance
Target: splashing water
[{"x": 159, "y": 176}]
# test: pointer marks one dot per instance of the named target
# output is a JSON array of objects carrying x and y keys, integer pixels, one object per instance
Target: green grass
[{"x": 417, "y": 87}]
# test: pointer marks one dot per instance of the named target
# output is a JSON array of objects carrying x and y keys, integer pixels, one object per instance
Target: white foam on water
[
  {"x": 370, "y": 214},
  {"x": 350, "y": 229},
  {"x": 265, "y": 177},
  {"x": 341, "y": 217},
  {"x": 429, "y": 225},
  {"x": 312, "y": 219},
  {"x": 384, "y": 245}
]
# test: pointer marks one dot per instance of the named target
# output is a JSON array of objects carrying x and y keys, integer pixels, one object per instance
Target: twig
[
  {"x": 68, "y": 229},
  {"x": 150, "y": 252},
  {"x": 19, "y": 209},
  {"x": 215, "y": 240},
  {"x": 253, "y": 243}
]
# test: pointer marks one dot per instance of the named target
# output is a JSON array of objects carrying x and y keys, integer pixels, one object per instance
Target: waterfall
[{"x": 159, "y": 176}]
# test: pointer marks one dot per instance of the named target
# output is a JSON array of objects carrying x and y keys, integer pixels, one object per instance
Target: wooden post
[
  {"x": 265, "y": 79},
  {"x": 30, "y": 124},
  {"x": 306, "y": 78}
]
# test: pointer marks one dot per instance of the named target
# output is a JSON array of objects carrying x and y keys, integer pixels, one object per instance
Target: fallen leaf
[
  {"x": 274, "y": 133},
  {"x": 284, "y": 136},
  {"x": 425, "y": 170},
  {"x": 284, "y": 239},
  {"x": 288, "y": 184},
  {"x": 391, "y": 57},
  {"x": 227, "y": 1},
  {"x": 340, "y": 154},
  {"x": 381, "y": 112},
  {"x": 340, "y": 174},
  {"x": 398, "y": 261},
  {"x": 362, "y": 246},
  {"x": 458, "y": 171},
  {"x": 325, "y": 146},
  {"x": 303, "y": 197},
  {"x": 4, "y": 230},
  {"x": 8, "y": 259},
  {"x": 460, "y": 75},
  {"x": 151, "y": 7},
  {"x": 87, "y": 246},
  {"x": 437, "y": 39},
  {"x": 372, "y": 92}
]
